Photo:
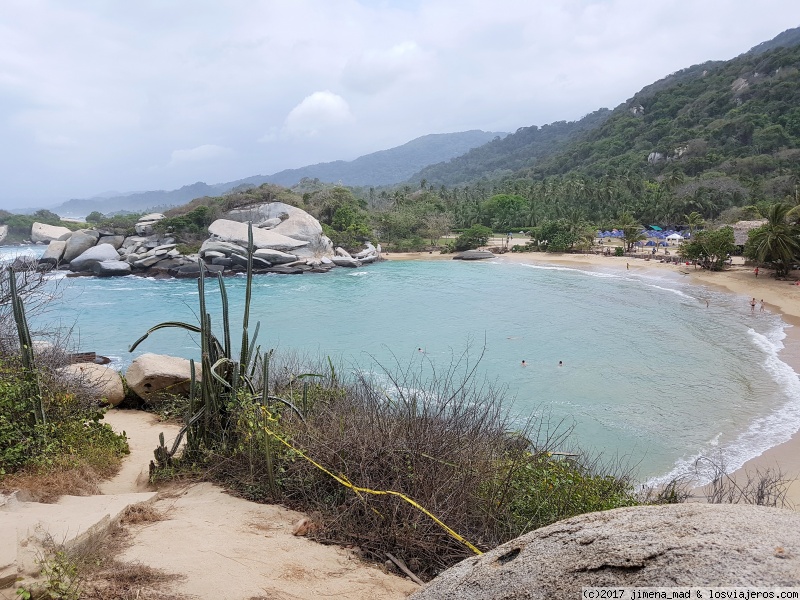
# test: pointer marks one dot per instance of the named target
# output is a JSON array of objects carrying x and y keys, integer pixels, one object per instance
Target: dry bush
[
  {"x": 767, "y": 487},
  {"x": 49, "y": 486},
  {"x": 143, "y": 512},
  {"x": 90, "y": 570},
  {"x": 442, "y": 439}
]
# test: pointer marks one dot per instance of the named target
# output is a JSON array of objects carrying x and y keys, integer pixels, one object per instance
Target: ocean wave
[
  {"x": 763, "y": 433},
  {"x": 673, "y": 290},
  {"x": 600, "y": 274}
]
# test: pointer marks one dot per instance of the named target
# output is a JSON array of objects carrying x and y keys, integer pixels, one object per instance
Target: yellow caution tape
[{"x": 345, "y": 482}]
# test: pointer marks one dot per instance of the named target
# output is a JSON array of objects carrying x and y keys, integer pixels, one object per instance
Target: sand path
[{"x": 229, "y": 548}]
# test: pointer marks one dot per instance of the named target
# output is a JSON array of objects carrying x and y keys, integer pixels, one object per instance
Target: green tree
[
  {"x": 693, "y": 220},
  {"x": 472, "y": 238},
  {"x": 775, "y": 242},
  {"x": 710, "y": 247},
  {"x": 631, "y": 230},
  {"x": 502, "y": 212},
  {"x": 94, "y": 217}
]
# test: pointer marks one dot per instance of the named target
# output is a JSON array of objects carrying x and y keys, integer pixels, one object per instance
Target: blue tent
[{"x": 650, "y": 243}]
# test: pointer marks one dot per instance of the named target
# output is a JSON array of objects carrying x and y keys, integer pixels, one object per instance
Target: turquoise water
[{"x": 649, "y": 372}]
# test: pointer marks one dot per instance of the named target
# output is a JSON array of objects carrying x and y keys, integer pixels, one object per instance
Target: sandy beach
[{"x": 779, "y": 296}]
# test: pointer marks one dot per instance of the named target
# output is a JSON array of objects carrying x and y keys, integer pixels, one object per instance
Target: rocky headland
[{"x": 286, "y": 240}]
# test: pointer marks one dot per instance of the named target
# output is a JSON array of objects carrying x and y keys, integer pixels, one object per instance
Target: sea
[{"x": 652, "y": 377}]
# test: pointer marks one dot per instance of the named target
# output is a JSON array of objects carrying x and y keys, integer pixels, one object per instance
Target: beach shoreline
[{"x": 780, "y": 297}]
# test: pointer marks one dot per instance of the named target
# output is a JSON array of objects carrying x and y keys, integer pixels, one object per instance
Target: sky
[{"x": 99, "y": 96}]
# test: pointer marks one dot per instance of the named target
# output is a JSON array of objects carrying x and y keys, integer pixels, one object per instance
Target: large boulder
[
  {"x": 152, "y": 376},
  {"x": 645, "y": 546},
  {"x": 281, "y": 218},
  {"x": 93, "y": 255},
  {"x": 225, "y": 248},
  {"x": 53, "y": 253},
  {"x": 145, "y": 224},
  {"x": 232, "y": 231},
  {"x": 78, "y": 243},
  {"x": 276, "y": 257},
  {"x": 42, "y": 232},
  {"x": 114, "y": 240},
  {"x": 3, "y": 232},
  {"x": 104, "y": 382},
  {"x": 111, "y": 268},
  {"x": 473, "y": 255},
  {"x": 290, "y": 221}
]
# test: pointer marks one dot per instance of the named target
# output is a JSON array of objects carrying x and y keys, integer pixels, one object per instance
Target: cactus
[{"x": 26, "y": 350}]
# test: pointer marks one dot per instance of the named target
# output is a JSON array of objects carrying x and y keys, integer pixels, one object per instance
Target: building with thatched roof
[{"x": 742, "y": 228}]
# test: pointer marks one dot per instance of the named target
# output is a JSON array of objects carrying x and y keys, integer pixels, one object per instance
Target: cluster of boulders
[
  {"x": 286, "y": 240},
  {"x": 151, "y": 377}
]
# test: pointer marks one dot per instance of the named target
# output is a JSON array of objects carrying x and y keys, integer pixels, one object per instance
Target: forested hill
[
  {"x": 502, "y": 157},
  {"x": 385, "y": 167},
  {"x": 736, "y": 119}
]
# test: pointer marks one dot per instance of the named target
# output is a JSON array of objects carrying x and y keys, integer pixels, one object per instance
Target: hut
[{"x": 742, "y": 228}]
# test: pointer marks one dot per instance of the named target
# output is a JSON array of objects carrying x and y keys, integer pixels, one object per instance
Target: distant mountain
[
  {"x": 385, "y": 167},
  {"x": 138, "y": 201}
]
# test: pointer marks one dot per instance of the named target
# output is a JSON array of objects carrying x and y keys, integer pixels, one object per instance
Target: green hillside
[
  {"x": 707, "y": 138},
  {"x": 503, "y": 157}
]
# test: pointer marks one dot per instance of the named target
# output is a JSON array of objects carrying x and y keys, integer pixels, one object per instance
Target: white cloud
[
  {"x": 376, "y": 70},
  {"x": 202, "y": 153},
  {"x": 317, "y": 112},
  {"x": 93, "y": 93}
]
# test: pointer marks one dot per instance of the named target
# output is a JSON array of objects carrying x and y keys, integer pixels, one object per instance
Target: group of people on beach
[{"x": 753, "y": 305}]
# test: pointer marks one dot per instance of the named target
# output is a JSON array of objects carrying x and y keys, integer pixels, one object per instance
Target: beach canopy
[
  {"x": 655, "y": 227},
  {"x": 675, "y": 236}
]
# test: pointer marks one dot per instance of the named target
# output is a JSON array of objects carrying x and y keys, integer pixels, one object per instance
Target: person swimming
[{"x": 560, "y": 363}]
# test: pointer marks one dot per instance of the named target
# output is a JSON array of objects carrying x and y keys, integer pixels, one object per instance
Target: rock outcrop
[
  {"x": 3, "y": 232},
  {"x": 287, "y": 241},
  {"x": 645, "y": 546},
  {"x": 289, "y": 221},
  {"x": 151, "y": 376}
]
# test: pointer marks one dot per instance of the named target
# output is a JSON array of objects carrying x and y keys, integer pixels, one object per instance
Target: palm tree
[
  {"x": 631, "y": 230},
  {"x": 694, "y": 219},
  {"x": 776, "y": 241}
]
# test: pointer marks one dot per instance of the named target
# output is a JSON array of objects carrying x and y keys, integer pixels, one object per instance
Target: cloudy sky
[{"x": 155, "y": 94}]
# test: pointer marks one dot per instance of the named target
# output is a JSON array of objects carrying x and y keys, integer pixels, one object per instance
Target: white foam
[{"x": 764, "y": 432}]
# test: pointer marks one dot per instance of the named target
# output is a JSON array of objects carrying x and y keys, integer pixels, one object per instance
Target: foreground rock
[
  {"x": 102, "y": 381},
  {"x": 152, "y": 376},
  {"x": 644, "y": 546}
]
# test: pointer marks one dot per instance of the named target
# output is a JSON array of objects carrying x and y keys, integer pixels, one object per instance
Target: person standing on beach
[
  {"x": 753, "y": 305},
  {"x": 756, "y": 272},
  {"x": 762, "y": 306}
]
